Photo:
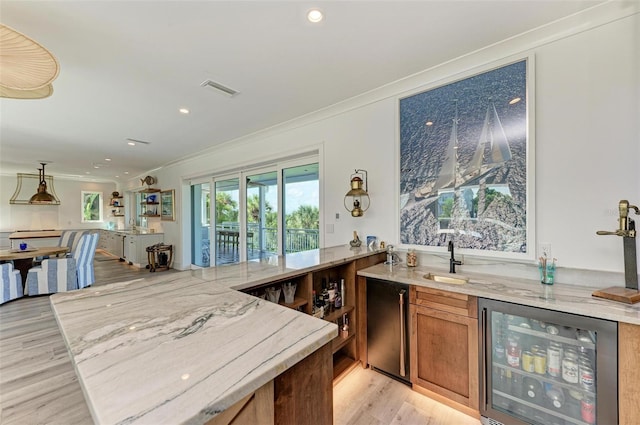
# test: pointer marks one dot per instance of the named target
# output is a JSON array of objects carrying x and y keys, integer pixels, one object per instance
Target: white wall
[
  {"x": 67, "y": 215},
  {"x": 587, "y": 140}
]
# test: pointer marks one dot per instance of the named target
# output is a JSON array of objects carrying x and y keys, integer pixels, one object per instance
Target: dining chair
[
  {"x": 11, "y": 283},
  {"x": 70, "y": 239},
  {"x": 65, "y": 274}
]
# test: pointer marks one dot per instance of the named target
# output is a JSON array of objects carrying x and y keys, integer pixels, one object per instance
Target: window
[{"x": 91, "y": 206}]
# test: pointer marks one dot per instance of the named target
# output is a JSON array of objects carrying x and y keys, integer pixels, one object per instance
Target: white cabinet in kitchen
[{"x": 136, "y": 247}]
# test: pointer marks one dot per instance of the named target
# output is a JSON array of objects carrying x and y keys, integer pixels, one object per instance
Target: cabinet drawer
[{"x": 464, "y": 305}]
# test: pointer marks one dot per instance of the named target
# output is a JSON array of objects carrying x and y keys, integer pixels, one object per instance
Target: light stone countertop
[
  {"x": 182, "y": 347},
  {"x": 566, "y": 298}
]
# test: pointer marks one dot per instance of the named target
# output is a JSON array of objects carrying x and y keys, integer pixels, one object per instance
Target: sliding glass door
[
  {"x": 301, "y": 200},
  {"x": 227, "y": 221},
  {"x": 200, "y": 224},
  {"x": 255, "y": 213},
  {"x": 262, "y": 214}
]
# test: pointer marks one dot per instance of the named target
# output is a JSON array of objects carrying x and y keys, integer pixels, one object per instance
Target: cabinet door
[
  {"x": 132, "y": 243},
  {"x": 444, "y": 354}
]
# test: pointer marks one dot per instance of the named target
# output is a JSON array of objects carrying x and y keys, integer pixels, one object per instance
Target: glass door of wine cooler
[{"x": 546, "y": 367}]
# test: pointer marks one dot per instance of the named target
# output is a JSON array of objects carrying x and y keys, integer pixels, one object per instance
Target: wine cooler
[{"x": 545, "y": 367}]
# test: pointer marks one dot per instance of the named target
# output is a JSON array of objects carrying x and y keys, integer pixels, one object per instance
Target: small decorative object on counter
[
  {"x": 412, "y": 258},
  {"x": 372, "y": 242},
  {"x": 355, "y": 242},
  {"x": 382, "y": 245},
  {"x": 547, "y": 270}
]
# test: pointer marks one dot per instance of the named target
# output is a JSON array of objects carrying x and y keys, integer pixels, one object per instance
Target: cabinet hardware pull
[{"x": 402, "y": 344}]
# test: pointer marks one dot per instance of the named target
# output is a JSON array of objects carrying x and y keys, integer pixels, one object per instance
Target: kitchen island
[{"x": 184, "y": 347}]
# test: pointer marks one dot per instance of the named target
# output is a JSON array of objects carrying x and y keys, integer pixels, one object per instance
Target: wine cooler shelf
[
  {"x": 504, "y": 377},
  {"x": 581, "y": 339},
  {"x": 570, "y": 411}
]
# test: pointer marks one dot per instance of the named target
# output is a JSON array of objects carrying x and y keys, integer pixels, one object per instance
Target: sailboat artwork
[{"x": 463, "y": 160}]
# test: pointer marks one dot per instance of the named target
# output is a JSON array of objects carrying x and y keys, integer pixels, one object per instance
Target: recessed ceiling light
[
  {"x": 126, "y": 172},
  {"x": 184, "y": 111},
  {"x": 515, "y": 100},
  {"x": 107, "y": 159},
  {"x": 117, "y": 177},
  {"x": 315, "y": 16},
  {"x": 88, "y": 172},
  {"x": 95, "y": 166},
  {"x": 131, "y": 143},
  {"x": 429, "y": 123}
]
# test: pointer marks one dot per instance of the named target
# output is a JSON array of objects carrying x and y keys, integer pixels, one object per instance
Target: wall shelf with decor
[
  {"x": 117, "y": 204},
  {"x": 150, "y": 203}
]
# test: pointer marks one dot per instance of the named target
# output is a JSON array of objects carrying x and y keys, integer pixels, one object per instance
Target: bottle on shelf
[
  {"x": 324, "y": 295},
  {"x": 333, "y": 290},
  {"x": 342, "y": 292},
  {"x": 318, "y": 306},
  {"x": 337, "y": 302},
  {"x": 345, "y": 327}
]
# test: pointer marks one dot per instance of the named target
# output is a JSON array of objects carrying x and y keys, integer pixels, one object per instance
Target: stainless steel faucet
[
  {"x": 452, "y": 261},
  {"x": 627, "y": 229}
]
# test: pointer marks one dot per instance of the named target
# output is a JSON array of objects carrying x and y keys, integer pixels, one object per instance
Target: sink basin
[{"x": 446, "y": 279}]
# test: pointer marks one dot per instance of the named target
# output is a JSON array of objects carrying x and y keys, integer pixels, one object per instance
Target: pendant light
[{"x": 42, "y": 196}]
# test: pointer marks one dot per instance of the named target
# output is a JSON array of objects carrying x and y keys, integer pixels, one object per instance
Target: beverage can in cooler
[
  {"x": 554, "y": 361},
  {"x": 588, "y": 410}
]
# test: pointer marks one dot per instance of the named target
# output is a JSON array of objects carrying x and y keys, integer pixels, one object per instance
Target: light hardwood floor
[{"x": 38, "y": 384}]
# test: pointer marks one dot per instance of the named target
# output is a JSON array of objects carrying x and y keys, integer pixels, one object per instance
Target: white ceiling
[{"x": 126, "y": 67}]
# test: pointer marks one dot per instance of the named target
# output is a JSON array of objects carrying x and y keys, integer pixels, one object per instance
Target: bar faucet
[
  {"x": 627, "y": 229},
  {"x": 452, "y": 261}
]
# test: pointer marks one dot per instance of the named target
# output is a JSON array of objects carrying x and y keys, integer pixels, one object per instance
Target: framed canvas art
[{"x": 466, "y": 161}]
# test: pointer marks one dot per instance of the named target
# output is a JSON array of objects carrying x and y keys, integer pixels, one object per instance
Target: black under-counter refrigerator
[{"x": 387, "y": 328}]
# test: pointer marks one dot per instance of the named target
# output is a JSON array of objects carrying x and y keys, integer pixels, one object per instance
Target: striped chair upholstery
[
  {"x": 11, "y": 283},
  {"x": 70, "y": 239},
  {"x": 65, "y": 274},
  {"x": 84, "y": 255}
]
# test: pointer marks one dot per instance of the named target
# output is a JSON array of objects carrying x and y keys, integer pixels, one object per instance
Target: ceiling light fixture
[
  {"x": 27, "y": 67},
  {"x": 107, "y": 159},
  {"x": 184, "y": 111},
  {"x": 42, "y": 197},
  {"x": 315, "y": 16}
]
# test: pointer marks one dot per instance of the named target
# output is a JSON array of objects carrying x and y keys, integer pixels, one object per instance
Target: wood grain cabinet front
[{"x": 444, "y": 347}]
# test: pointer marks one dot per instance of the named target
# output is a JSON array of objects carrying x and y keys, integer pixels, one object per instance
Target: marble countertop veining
[
  {"x": 559, "y": 297},
  {"x": 182, "y": 347}
]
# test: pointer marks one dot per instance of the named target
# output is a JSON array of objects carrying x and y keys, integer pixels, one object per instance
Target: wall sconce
[{"x": 360, "y": 198}]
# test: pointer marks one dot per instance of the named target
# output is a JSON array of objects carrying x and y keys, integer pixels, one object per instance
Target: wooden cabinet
[
  {"x": 345, "y": 347},
  {"x": 628, "y": 373},
  {"x": 302, "y": 394},
  {"x": 444, "y": 347}
]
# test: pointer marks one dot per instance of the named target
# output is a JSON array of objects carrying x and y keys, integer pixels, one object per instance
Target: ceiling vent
[
  {"x": 130, "y": 140},
  {"x": 224, "y": 89}
]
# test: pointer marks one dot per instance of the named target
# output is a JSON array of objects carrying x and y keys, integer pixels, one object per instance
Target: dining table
[{"x": 23, "y": 258}]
